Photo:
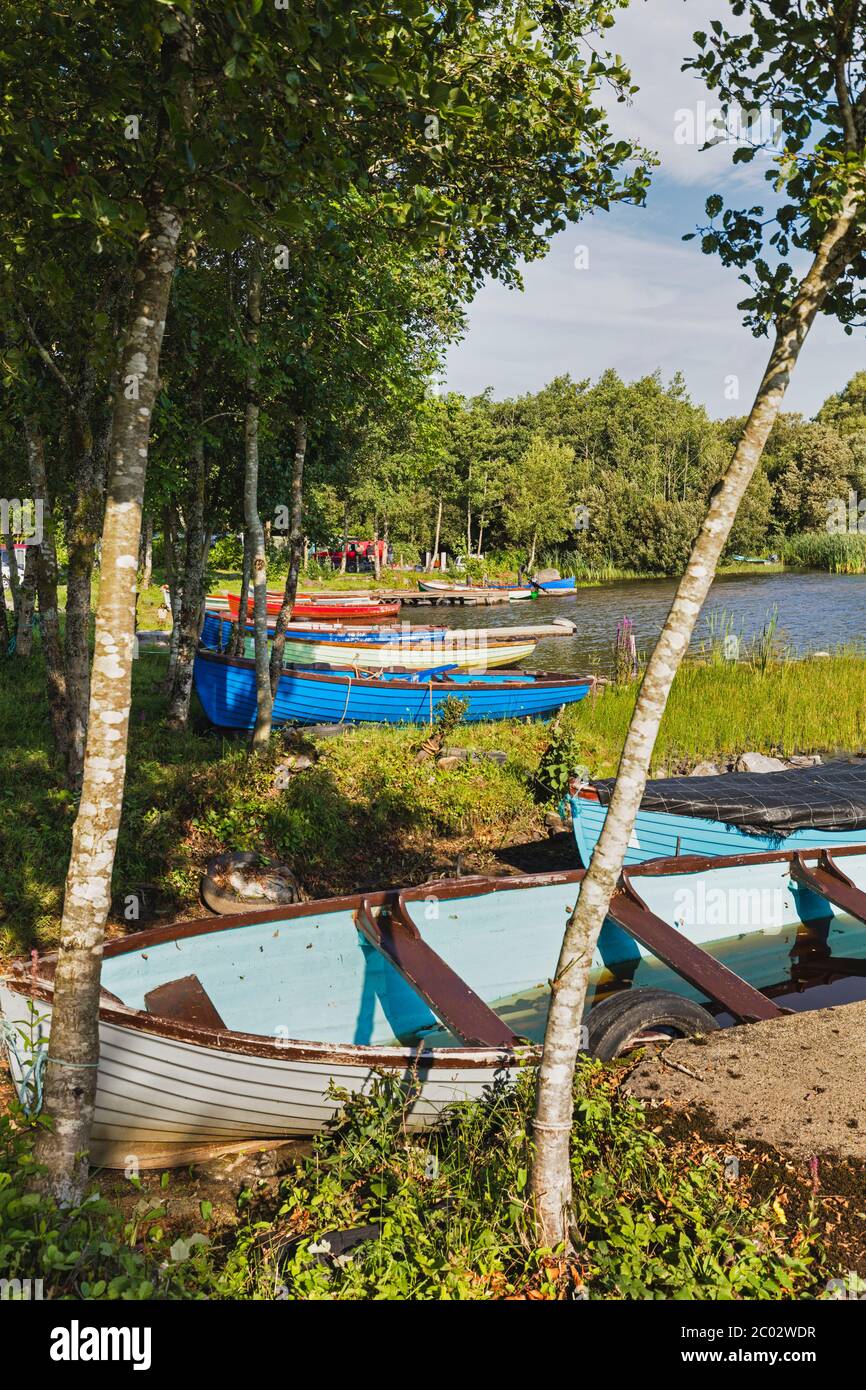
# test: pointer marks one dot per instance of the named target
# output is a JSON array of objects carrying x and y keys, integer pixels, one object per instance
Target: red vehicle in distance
[{"x": 360, "y": 555}]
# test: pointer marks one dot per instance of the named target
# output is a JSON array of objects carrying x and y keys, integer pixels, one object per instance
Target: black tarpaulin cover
[{"x": 832, "y": 797}]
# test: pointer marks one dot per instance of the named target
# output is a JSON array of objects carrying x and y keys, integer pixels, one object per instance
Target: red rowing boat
[{"x": 346, "y": 609}]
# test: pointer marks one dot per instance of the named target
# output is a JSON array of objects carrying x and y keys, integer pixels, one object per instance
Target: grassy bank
[
  {"x": 658, "y": 1214},
  {"x": 367, "y": 813}
]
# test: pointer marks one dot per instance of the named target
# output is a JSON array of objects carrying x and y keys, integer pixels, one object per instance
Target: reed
[
  {"x": 718, "y": 711},
  {"x": 843, "y": 553}
]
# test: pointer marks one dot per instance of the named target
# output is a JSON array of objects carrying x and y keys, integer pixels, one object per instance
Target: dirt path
[{"x": 798, "y": 1083}]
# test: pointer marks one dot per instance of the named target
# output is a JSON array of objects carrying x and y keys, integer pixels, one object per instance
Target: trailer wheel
[{"x": 634, "y": 1017}]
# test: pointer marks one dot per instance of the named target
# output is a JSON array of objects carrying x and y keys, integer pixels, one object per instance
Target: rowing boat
[
  {"x": 737, "y": 812},
  {"x": 226, "y": 687},
  {"x": 410, "y": 655},
  {"x": 557, "y": 586},
  {"x": 220, "y": 1031},
  {"x": 217, "y": 631},
  {"x": 348, "y": 610},
  {"x": 513, "y": 591}
]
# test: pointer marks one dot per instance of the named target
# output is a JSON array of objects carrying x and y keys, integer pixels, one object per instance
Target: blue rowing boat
[
  {"x": 227, "y": 690},
  {"x": 735, "y": 813},
  {"x": 217, "y": 631}
]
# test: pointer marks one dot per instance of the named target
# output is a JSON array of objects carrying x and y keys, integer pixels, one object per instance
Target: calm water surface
[{"x": 816, "y": 612}]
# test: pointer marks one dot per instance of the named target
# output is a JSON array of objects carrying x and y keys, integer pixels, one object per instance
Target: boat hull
[
  {"x": 660, "y": 835},
  {"x": 217, "y": 631},
  {"x": 413, "y": 656},
  {"x": 515, "y": 591},
  {"x": 174, "y": 1093},
  {"x": 226, "y": 689}
]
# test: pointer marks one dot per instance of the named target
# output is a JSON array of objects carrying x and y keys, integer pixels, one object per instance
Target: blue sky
[{"x": 647, "y": 299}]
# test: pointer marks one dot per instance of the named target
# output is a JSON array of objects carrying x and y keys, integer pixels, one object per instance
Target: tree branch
[{"x": 44, "y": 354}]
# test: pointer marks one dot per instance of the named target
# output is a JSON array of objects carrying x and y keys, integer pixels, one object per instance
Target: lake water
[{"x": 816, "y": 612}]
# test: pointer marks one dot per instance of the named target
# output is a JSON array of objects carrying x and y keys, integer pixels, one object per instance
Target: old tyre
[{"x": 634, "y": 1017}]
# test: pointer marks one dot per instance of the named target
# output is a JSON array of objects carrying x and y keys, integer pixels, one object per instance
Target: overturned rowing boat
[
  {"x": 217, "y": 632},
  {"x": 343, "y": 607},
  {"x": 412, "y": 655}
]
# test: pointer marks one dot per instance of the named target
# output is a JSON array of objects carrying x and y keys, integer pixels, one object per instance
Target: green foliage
[
  {"x": 450, "y": 714},
  {"x": 227, "y": 553},
  {"x": 537, "y": 495},
  {"x": 560, "y": 760},
  {"x": 454, "y": 1219},
  {"x": 86, "y": 1251},
  {"x": 805, "y": 65}
]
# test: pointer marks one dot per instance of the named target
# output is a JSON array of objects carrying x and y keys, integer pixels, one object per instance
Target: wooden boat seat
[
  {"x": 187, "y": 1001},
  {"x": 695, "y": 965},
  {"x": 830, "y": 883},
  {"x": 393, "y": 933}
]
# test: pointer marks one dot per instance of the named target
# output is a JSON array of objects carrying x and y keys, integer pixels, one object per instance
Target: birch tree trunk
[
  {"x": 190, "y": 606},
  {"x": 255, "y": 530},
  {"x": 295, "y": 550},
  {"x": 5, "y": 633},
  {"x": 84, "y": 520},
  {"x": 14, "y": 579},
  {"x": 377, "y": 559},
  {"x": 27, "y": 604},
  {"x": 344, "y": 557},
  {"x": 435, "y": 556},
  {"x": 239, "y": 629},
  {"x": 551, "y": 1172},
  {"x": 70, "y": 1077},
  {"x": 46, "y": 592},
  {"x": 174, "y": 575},
  {"x": 147, "y": 553}
]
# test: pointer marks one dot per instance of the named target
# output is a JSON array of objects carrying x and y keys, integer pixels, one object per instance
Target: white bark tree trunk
[
  {"x": 46, "y": 591},
  {"x": 296, "y": 544},
  {"x": 14, "y": 577},
  {"x": 188, "y": 624},
  {"x": 73, "y": 1054},
  {"x": 27, "y": 604},
  {"x": 239, "y": 629},
  {"x": 551, "y": 1172},
  {"x": 435, "y": 555},
  {"x": 255, "y": 530}
]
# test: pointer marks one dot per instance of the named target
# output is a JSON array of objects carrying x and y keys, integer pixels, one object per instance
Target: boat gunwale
[{"x": 357, "y": 1054}]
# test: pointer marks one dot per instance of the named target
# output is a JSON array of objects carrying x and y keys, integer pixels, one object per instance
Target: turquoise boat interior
[{"x": 314, "y": 977}]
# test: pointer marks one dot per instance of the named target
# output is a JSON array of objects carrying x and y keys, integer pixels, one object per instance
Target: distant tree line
[{"x": 606, "y": 475}]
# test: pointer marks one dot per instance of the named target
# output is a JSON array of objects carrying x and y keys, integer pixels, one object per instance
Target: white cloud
[
  {"x": 655, "y": 37},
  {"x": 647, "y": 300}
]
